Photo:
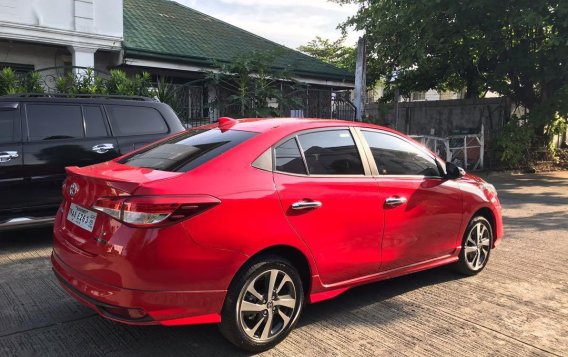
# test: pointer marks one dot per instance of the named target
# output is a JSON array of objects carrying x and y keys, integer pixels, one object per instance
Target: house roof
[{"x": 167, "y": 30}]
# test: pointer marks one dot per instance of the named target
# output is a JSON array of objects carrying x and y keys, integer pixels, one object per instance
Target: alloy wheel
[
  {"x": 477, "y": 246},
  {"x": 267, "y": 305}
]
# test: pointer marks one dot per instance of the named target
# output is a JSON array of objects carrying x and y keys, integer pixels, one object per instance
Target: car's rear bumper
[{"x": 139, "y": 307}]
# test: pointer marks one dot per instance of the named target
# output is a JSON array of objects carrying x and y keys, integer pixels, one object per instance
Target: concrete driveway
[{"x": 517, "y": 307}]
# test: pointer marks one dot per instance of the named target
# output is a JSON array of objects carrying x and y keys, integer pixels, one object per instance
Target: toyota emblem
[{"x": 73, "y": 189}]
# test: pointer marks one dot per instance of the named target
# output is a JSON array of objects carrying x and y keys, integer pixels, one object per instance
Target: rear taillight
[{"x": 154, "y": 211}]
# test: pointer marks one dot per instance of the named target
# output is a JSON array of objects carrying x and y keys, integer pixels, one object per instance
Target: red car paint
[{"x": 179, "y": 273}]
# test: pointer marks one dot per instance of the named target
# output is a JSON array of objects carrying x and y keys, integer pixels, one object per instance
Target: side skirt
[{"x": 321, "y": 292}]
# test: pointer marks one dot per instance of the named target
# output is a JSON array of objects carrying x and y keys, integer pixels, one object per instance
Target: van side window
[
  {"x": 130, "y": 120},
  {"x": 94, "y": 121},
  {"x": 51, "y": 122},
  {"x": 7, "y": 122}
]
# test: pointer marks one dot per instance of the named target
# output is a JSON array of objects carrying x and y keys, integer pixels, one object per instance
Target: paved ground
[{"x": 517, "y": 307}]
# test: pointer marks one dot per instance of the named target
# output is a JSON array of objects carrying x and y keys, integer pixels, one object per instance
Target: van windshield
[{"x": 187, "y": 151}]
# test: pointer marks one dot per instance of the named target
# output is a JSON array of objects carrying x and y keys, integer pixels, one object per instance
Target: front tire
[
  {"x": 476, "y": 246},
  {"x": 263, "y": 304}
]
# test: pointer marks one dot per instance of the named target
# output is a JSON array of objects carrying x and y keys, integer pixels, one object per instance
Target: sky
[{"x": 288, "y": 22}]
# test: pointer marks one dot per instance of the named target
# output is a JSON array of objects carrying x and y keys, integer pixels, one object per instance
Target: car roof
[{"x": 263, "y": 125}]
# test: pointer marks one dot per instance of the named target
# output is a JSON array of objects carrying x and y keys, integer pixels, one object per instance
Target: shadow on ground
[{"x": 69, "y": 327}]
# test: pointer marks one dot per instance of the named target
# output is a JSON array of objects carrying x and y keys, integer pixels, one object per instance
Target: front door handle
[
  {"x": 395, "y": 201},
  {"x": 103, "y": 148},
  {"x": 300, "y": 205},
  {"x": 6, "y": 156}
]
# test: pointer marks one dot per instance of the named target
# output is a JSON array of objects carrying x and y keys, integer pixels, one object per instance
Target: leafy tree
[
  {"x": 332, "y": 52},
  {"x": 517, "y": 48},
  {"x": 254, "y": 87}
]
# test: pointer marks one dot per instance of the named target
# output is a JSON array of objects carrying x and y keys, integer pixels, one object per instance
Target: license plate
[{"x": 82, "y": 217}]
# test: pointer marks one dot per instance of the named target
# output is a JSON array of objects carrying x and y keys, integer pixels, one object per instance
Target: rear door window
[
  {"x": 187, "y": 151},
  {"x": 52, "y": 122},
  {"x": 289, "y": 158},
  {"x": 131, "y": 120},
  {"x": 331, "y": 152}
]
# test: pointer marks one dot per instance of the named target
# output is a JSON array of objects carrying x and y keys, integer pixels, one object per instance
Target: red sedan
[{"x": 243, "y": 222}]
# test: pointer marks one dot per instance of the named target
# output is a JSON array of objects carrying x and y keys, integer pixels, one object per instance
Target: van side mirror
[{"x": 453, "y": 171}]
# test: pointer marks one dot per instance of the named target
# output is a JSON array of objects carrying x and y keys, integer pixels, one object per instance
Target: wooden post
[{"x": 361, "y": 78}]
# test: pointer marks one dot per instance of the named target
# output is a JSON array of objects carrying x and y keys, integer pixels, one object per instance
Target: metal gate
[
  {"x": 324, "y": 104},
  {"x": 466, "y": 151}
]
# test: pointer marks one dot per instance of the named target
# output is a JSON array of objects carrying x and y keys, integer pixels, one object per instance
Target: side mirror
[{"x": 453, "y": 171}]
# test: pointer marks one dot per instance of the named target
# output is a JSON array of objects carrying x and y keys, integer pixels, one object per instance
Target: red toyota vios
[{"x": 243, "y": 222}]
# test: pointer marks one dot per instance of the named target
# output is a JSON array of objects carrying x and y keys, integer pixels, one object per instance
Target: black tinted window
[
  {"x": 395, "y": 156},
  {"x": 331, "y": 153},
  {"x": 187, "y": 151},
  {"x": 7, "y": 122},
  {"x": 289, "y": 158},
  {"x": 94, "y": 121},
  {"x": 129, "y": 120},
  {"x": 50, "y": 122}
]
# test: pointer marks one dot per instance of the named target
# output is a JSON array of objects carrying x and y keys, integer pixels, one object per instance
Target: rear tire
[
  {"x": 263, "y": 304},
  {"x": 476, "y": 247}
]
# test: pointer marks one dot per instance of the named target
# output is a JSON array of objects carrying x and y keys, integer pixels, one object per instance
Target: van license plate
[{"x": 82, "y": 217}]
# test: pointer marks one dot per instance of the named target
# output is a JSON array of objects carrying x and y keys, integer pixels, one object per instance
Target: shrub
[{"x": 515, "y": 143}]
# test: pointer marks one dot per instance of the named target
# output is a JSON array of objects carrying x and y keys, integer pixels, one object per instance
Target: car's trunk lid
[{"x": 85, "y": 228}]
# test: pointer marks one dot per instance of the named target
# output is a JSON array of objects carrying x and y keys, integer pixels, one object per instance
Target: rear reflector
[{"x": 154, "y": 211}]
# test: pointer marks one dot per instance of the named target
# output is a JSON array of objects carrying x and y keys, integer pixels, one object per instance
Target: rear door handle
[
  {"x": 300, "y": 205},
  {"x": 6, "y": 156},
  {"x": 103, "y": 148},
  {"x": 395, "y": 201}
]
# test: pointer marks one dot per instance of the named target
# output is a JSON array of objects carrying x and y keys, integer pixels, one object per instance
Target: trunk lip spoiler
[{"x": 136, "y": 174}]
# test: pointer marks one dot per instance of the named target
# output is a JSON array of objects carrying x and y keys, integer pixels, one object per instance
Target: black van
[{"x": 41, "y": 135}]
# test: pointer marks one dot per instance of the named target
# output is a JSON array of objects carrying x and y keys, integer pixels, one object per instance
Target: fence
[
  {"x": 467, "y": 151},
  {"x": 196, "y": 105},
  {"x": 324, "y": 104},
  {"x": 458, "y": 121}
]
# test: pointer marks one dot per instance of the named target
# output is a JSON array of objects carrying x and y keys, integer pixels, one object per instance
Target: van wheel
[
  {"x": 476, "y": 246},
  {"x": 263, "y": 304}
]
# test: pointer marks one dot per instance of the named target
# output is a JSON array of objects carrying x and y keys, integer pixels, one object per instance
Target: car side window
[
  {"x": 51, "y": 122},
  {"x": 289, "y": 158},
  {"x": 331, "y": 152},
  {"x": 94, "y": 121},
  {"x": 395, "y": 156},
  {"x": 7, "y": 123},
  {"x": 131, "y": 120}
]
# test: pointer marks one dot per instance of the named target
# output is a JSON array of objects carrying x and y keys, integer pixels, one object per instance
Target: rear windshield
[{"x": 188, "y": 150}]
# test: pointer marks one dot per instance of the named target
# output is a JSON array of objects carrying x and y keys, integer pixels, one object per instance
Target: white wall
[
  {"x": 82, "y": 26},
  {"x": 89, "y": 17}
]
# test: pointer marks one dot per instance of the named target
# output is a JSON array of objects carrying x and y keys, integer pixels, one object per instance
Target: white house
[{"x": 44, "y": 34}]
